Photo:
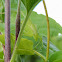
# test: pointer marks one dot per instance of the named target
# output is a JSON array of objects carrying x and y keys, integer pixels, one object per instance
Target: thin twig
[
  {"x": 48, "y": 31},
  {"x": 37, "y": 53}
]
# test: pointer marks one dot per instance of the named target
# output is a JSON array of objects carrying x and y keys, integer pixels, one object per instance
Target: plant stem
[
  {"x": 19, "y": 38},
  {"x": 37, "y": 53},
  {"x": 7, "y": 31},
  {"x": 48, "y": 31},
  {"x": 18, "y": 20}
]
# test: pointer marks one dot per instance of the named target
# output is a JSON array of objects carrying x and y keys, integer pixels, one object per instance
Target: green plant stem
[
  {"x": 19, "y": 38},
  {"x": 37, "y": 53},
  {"x": 48, "y": 31}
]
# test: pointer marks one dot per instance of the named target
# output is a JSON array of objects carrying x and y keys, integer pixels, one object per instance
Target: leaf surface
[
  {"x": 25, "y": 47},
  {"x": 30, "y": 4},
  {"x": 60, "y": 60},
  {"x": 52, "y": 47},
  {"x": 57, "y": 56},
  {"x": 40, "y": 21},
  {"x": 30, "y": 30}
]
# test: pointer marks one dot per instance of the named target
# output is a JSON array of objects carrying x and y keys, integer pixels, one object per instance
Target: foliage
[
  {"x": 2, "y": 10},
  {"x": 57, "y": 40},
  {"x": 30, "y": 39},
  {"x": 40, "y": 22},
  {"x": 33, "y": 40},
  {"x": 56, "y": 57}
]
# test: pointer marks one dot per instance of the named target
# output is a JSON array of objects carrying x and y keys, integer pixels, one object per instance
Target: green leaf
[
  {"x": 2, "y": 27},
  {"x": 29, "y": 10},
  {"x": 30, "y": 30},
  {"x": 1, "y": 49},
  {"x": 17, "y": 58},
  {"x": 57, "y": 56},
  {"x": 52, "y": 47},
  {"x": 30, "y": 4},
  {"x": 12, "y": 42},
  {"x": 1, "y": 55},
  {"x": 40, "y": 21},
  {"x": 60, "y": 60},
  {"x": 57, "y": 41},
  {"x": 3, "y": 10},
  {"x": 37, "y": 44},
  {"x": 2, "y": 39},
  {"x": 25, "y": 47},
  {"x": 3, "y": 15}
]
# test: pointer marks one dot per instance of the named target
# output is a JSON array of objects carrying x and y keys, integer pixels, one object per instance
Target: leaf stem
[
  {"x": 48, "y": 31},
  {"x": 40, "y": 55}
]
